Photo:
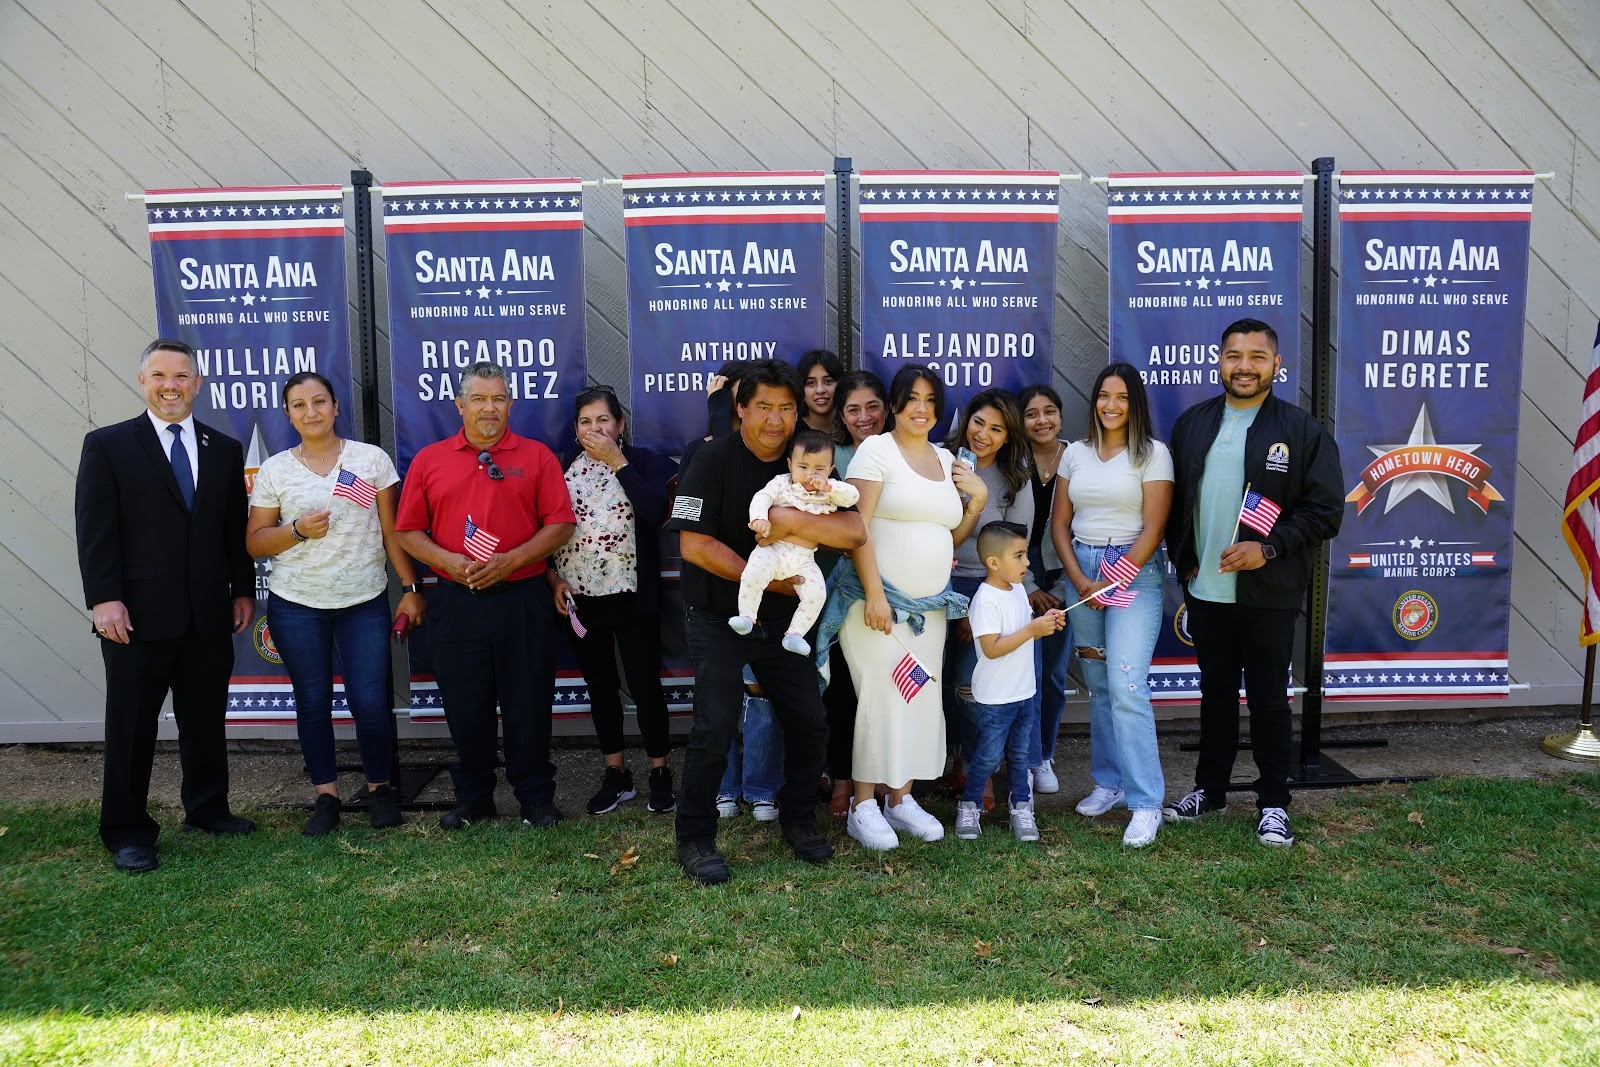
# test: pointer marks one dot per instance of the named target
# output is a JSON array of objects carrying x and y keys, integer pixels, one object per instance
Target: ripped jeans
[{"x": 1122, "y": 726}]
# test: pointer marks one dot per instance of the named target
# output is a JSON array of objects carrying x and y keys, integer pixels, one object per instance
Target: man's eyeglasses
[{"x": 495, "y": 473}]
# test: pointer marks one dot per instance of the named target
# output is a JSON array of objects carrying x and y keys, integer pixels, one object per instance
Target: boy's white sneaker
[
  {"x": 764, "y": 811},
  {"x": 1142, "y": 827},
  {"x": 968, "y": 826},
  {"x": 1101, "y": 800},
  {"x": 727, "y": 807},
  {"x": 1022, "y": 824},
  {"x": 1044, "y": 778},
  {"x": 866, "y": 824},
  {"x": 909, "y": 816}
]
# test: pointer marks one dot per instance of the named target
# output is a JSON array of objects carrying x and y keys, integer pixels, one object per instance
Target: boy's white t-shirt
[{"x": 1000, "y": 611}]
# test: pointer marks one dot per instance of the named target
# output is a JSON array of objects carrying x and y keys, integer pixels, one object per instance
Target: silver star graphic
[{"x": 1435, "y": 486}]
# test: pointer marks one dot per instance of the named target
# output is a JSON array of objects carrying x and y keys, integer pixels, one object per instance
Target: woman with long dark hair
[
  {"x": 1041, "y": 421},
  {"x": 991, "y": 428},
  {"x": 609, "y": 573},
  {"x": 820, "y": 370},
  {"x": 324, "y": 511},
  {"x": 1114, "y": 494}
]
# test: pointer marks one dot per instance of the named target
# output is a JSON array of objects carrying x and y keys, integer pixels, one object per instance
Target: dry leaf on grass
[
  {"x": 590, "y": 856},
  {"x": 627, "y": 861},
  {"x": 1262, "y": 943},
  {"x": 794, "y": 1014},
  {"x": 982, "y": 948},
  {"x": 669, "y": 960},
  {"x": 1511, "y": 950},
  {"x": 1416, "y": 817},
  {"x": 1091, "y": 1001},
  {"x": 561, "y": 1006}
]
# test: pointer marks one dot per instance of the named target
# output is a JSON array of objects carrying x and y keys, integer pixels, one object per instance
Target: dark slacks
[
  {"x": 840, "y": 701},
  {"x": 494, "y": 649},
  {"x": 613, "y": 624},
  {"x": 790, "y": 683},
  {"x": 139, "y": 675},
  {"x": 1228, "y": 640}
]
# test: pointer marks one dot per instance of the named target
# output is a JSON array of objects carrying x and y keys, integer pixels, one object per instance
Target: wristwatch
[
  {"x": 1268, "y": 552},
  {"x": 414, "y": 587}
]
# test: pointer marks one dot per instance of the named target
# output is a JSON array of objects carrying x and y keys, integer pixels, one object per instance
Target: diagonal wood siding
[{"x": 100, "y": 97}]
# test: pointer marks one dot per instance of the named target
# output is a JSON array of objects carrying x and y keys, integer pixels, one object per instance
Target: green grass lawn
[{"x": 1457, "y": 922}]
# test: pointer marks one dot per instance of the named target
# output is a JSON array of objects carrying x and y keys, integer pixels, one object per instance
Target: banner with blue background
[
  {"x": 1190, "y": 254},
  {"x": 721, "y": 267},
  {"x": 254, "y": 279},
  {"x": 958, "y": 274},
  {"x": 1433, "y": 271},
  {"x": 484, "y": 270}
]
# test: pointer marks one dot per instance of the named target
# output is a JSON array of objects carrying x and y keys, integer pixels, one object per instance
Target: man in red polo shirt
[{"x": 483, "y": 509}]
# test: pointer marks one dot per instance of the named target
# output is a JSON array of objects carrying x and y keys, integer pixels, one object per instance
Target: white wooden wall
[{"x": 100, "y": 97}]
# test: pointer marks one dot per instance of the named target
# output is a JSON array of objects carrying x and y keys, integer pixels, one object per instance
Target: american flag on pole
[
  {"x": 1258, "y": 513},
  {"x": 355, "y": 489},
  {"x": 909, "y": 676},
  {"x": 1580, "y": 520},
  {"x": 1114, "y": 596},
  {"x": 1117, "y": 566},
  {"x": 479, "y": 543}
]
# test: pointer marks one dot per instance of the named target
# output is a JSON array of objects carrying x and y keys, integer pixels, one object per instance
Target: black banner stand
[
  {"x": 842, "y": 169},
  {"x": 1314, "y": 769},
  {"x": 410, "y": 778}
]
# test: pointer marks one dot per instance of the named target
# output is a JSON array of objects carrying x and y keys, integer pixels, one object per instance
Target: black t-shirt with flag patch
[{"x": 714, "y": 499}]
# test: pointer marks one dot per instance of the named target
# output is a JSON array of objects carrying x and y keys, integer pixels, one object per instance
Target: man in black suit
[{"x": 161, "y": 512}]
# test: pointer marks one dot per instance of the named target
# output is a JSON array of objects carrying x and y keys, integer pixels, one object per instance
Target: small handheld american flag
[
  {"x": 1258, "y": 513},
  {"x": 355, "y": 489},
  {"x": 478, "y": 542},
  {"x": 909, "y": 676},
  {"x": 1117, "y": 566},
  {"x": 1114, "y": 596}
]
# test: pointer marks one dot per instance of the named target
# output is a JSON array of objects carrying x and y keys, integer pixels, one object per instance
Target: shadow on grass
[{"x": 1454, "y": 881}]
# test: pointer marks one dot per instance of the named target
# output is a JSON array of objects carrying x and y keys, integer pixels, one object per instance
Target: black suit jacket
[{"x": 137, "y": 543}]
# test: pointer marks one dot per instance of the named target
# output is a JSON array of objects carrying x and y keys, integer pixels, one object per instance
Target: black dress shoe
[
  {"x": 807, "y": 844},
  {"x": 701, "y": 861},
  {"x": 541, "y": 815},
  {"x": 324, "y": 815},
  {"x": 135, "y": 859},
  {"x": 222, "y": 824},
  {"x": 464, "y": 815}
]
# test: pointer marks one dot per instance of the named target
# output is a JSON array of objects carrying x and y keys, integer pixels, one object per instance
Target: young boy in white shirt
[{"x": 1003, "y": 680}]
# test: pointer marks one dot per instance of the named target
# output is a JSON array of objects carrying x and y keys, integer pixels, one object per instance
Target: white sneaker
[
  {"x": 968, "y": 826},
  {"x": 1022, "y": 824},
  {"x": 1142, "y": 827},
  {"x": 1044, "y": 778},
  {"x": 866, "y": 824},
  {"x": 909, "y": 816},
  {"x": 1273, "y": 829},
  {"x": 727, "y": 807},
  {"x": 1100, "y": 801},
  {"x": 764, "y": 811}
]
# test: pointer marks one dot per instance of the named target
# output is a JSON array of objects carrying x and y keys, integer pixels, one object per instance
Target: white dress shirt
[{"x": 190, "y": 443}]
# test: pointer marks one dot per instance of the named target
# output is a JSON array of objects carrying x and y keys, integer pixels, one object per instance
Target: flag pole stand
[{"x": 1580, "y": 745}]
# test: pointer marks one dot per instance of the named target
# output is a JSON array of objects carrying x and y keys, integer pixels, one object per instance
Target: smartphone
[{"x": 964, "y": 455}]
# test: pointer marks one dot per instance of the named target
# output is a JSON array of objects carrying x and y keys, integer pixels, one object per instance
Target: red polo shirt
[{"x": 446, "y": 484}]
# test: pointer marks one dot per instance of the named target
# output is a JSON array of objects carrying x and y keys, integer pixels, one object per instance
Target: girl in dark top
[
  {"x": 610, "y": 573},
  {"x": 821, "y": 371},
  {"x": 1041, "y": 422}
]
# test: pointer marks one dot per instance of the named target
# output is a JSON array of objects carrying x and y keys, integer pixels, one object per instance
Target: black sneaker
[
  {"x": 807, "y": 844},
  {"x": 615, "y": 787},
  {"x": 384, "y": 805},
  {"x": 467, "y": 813},
  {"x": 1193, "y": 806},
  {"x": 1273, "y": 829},
  {"x": 662, "y": 799},
  {"x": 701, "y": 861},
  {"x": 324, "y": 815},
  {"x": 541, "y": 815}
]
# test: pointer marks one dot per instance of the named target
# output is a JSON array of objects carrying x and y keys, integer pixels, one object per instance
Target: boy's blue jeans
[
  {"x": 758, "y": 773},
  {"x": 1009, "y": 730}
]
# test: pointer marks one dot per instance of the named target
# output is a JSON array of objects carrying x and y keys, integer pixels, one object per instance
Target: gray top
[{"x": 968, "y": 565}]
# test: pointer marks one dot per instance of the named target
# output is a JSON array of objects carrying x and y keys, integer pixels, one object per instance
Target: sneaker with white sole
[
  {"x": 1142, "y": 828},
  {"x": 1044, "y": 778},
  {"x": 1193, "y": 806},
  {"x": 1273, "y": 829},
  {"x": 1101, "y": 800},
  {"x": 764, "y": 811},
  {"x": 727, "y": 807},
  {"x": 867, "y": 825},
  {"x": 909, "y": 816},
  {"x": 1022, "y": 824},
  {"x": 968, "y": 824}
]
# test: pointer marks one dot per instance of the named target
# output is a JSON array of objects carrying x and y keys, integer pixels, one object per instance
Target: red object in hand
[{"x": 402, "y": 626}]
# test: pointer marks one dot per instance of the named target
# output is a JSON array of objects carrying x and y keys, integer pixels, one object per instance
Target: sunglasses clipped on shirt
[{"x": 495, "y": 473}]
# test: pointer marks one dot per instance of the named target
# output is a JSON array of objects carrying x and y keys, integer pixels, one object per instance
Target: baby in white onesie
[{"x": 807, "y": 487}]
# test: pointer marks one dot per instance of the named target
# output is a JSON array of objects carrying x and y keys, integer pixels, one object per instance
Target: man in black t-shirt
[{"x": 712, "y": 514}]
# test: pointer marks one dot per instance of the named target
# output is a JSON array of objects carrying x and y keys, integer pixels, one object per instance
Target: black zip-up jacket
[{"x": 1307, "y": 483}]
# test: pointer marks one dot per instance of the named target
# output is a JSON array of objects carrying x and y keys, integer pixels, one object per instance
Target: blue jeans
[
  {"x": 1009, "y": 730},
  {"x": 1122, "y": 725},
  {"x": 307, "y": 639},
  {"x": 759, "y": 773},
  {"x": 961, "y": 714}
]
